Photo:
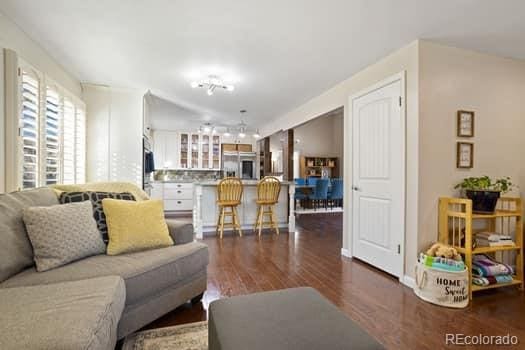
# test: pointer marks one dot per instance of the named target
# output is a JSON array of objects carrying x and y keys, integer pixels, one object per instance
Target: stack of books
[{"x": 492, "y": 239}]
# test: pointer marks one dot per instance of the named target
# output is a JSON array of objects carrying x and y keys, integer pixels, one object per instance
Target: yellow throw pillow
[{"x": 134, "y": 226}]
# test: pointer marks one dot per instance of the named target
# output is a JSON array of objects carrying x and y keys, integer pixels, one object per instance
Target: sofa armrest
[{"x": 181, "y": 231}]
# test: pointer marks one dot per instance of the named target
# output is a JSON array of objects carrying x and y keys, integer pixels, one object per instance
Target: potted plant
[{"x": 484, "y": 192}]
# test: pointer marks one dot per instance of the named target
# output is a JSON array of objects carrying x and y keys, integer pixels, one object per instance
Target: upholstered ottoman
[{"x": 298, "y": 318}]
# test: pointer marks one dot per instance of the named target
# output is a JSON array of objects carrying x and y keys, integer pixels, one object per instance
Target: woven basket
[{"x": 440, "y": 287}]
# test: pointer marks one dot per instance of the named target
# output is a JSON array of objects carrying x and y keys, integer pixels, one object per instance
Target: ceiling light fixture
[
  {"x": 207, "y": 127},
  {"x": 211, "y": 83},
  {"x": 241, "y": 129},
  {"x": 242, "y": 125}
]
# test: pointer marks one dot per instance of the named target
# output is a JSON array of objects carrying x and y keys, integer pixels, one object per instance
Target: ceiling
[{"x": 278, "y": 53}]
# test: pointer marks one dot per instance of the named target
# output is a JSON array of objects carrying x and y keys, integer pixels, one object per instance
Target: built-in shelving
[{"x": 319, "y": 167}]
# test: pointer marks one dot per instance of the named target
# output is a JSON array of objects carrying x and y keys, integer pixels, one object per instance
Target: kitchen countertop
[
  {"x": 211, "y": 182},
  {"x": 175, "y": 181},
  {"x": 244, "y": 182}
]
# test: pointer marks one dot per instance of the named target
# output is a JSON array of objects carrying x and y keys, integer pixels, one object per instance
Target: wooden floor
[{"x": 378, "y": 302}]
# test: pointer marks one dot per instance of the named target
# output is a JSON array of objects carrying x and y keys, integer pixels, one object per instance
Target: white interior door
[{"x": 378, "y": 177}]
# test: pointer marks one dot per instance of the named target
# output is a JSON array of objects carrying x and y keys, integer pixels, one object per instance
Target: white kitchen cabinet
[
  {"x": 157, "y": 190},
  {"x": 195, "y": 151},
  {"x": 171, "y": 156},
  {"x": 177, "y": 196},
  {"x": 166, "y": 149},
  {"x": 184, "y": 147},
  {"x": 186, "y": 150},
  {"x": 215, "y": 161},
  {"x": 189, "y": 150},
  {"x": 211, "y": 152}
]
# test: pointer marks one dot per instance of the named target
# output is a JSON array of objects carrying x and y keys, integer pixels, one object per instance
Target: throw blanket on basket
[
  {"x": 484, "y": 266},
  {"x": 441, "y": 263}
]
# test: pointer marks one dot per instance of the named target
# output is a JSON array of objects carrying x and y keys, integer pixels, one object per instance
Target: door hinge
[
  {"x": 19, "y": 71},
  {"x": 400, "y": 101},
  {"x": 399, "y": 249}
]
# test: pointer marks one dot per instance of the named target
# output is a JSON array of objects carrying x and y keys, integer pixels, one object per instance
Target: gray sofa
[{"x": 90, "y": 303}]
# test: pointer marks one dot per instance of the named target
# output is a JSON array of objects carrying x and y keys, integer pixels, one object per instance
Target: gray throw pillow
[{"x": 63, "y": 233}]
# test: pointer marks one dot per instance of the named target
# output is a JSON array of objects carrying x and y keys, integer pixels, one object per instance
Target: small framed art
[
  {"x": 465, "y": 155},
  {"x": 465, "y": 124}
]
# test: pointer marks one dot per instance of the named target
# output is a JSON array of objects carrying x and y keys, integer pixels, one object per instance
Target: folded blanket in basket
[
  {"x": 441, "y": 263},
  {"x": 483, "y": 265},
  {"x": 486, "y": 281}
]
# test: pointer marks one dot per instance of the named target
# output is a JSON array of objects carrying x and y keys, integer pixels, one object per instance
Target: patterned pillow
[
  {"x": 96, "y": 199},
  {"x": 61, "y": 234}
]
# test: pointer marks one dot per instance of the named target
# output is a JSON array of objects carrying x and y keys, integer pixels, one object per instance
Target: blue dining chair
[
  {"x": 300, "y": 181},
  {"x": 312, "y": 180},
  {"x": 335, "y": 197},
  {"x": 320, "y": 194}
]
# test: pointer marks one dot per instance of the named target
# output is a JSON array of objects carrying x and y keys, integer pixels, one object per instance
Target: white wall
[
  {"x": 453, "y": 79},
  {"x": 2, "y": 125},
  {"x": 114, "y": 139},
  {"x": 322, "y": 136},
  {"x": 404, "y": 59},
  {"x": 12, "y": 37}
]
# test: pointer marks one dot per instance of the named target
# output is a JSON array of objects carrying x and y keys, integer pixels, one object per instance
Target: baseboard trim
[
  {"x": 408, "y": 281},
  {"x": 346, "y": 253}
]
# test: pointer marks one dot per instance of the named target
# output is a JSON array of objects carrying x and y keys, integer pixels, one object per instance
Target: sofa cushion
[
  {"x": 16, "y": 252},
  {"x": 96, "y": 200},
  {"x": 61, "y": 234},
  {"x": 135, "y": 226},
  {"x": 181, "y": 230},
  {"x": 145, "y": 273},
  {"x": 71, "y": 315}
]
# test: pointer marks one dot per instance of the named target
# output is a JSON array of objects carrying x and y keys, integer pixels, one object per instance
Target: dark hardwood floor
[{"x": 378, "y": 302}]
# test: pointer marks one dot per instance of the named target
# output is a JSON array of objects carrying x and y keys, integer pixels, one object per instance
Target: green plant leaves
[{"x": 485, "y": 183}]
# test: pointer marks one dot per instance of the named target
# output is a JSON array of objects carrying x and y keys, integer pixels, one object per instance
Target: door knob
[{"x": 355, "y": 188}]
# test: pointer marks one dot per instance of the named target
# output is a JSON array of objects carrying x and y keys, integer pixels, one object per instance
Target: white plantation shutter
[
  {"x": 52, "y": 138},
  {"x": 52, "y": 133},
  {"x": 69, "y": 142},
  {"x": 29, "y": 129}
]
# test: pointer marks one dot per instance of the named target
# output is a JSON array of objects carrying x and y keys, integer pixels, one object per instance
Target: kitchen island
[{"x": 206, "y": 211}]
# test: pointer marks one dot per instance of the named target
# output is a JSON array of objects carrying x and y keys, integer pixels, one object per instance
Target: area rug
[{"x": 192, "y": 336}]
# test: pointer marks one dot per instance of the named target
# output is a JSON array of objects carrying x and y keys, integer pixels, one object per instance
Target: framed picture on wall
[
  {"x": 465, "y": 155},
  {"x": 465, "y": 124}
]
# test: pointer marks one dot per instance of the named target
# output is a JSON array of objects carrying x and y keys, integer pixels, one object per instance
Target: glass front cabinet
[
  {"x": 215, "y": 159},
  {"x": 200, "y": 151},
  {"x": 185, "y": 157},
  {"x": 195, "y": 151}
]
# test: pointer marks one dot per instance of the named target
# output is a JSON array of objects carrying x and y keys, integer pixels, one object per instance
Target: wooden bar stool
[
  {"x": 268, "y": 190},
  {"x": 229, "y": 194}
]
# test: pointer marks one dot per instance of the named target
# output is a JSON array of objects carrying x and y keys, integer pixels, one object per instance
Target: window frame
[{"x": 45, "y": 83}]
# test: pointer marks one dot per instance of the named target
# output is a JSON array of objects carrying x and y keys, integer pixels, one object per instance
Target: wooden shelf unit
[
  {"x": 314, "y": 166},
  {"x": 458, "y": 227}
]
